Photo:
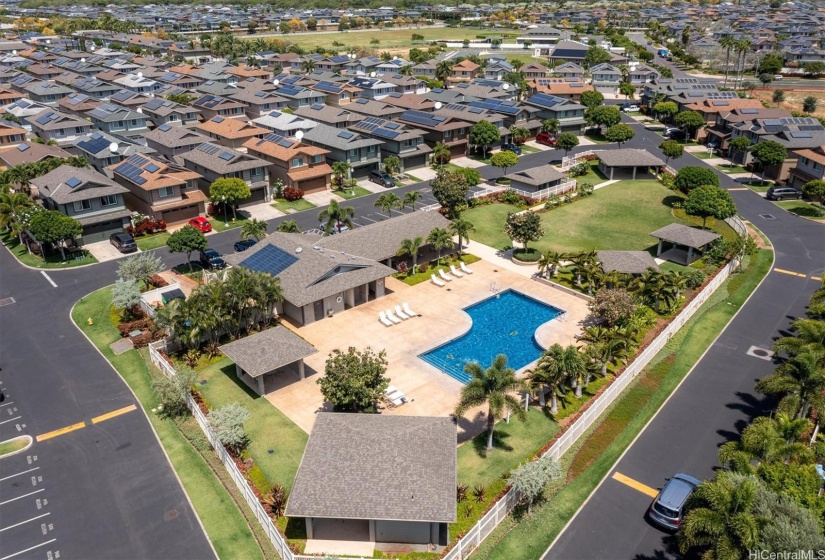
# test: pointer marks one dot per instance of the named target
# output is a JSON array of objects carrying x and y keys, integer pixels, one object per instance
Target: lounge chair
[
  {"x": 437, "y": 282},
  {"x": 392, "y": 317},
  {"x": 395, "y": 396},
  {"x": 444, "y": 276},
  {"x": 409, "y": 311},
  {"x": 383, "y": 318},
  {"x": 464, "y": 268},
  {"x": 399, "y": 313},
  {"x": 454, "y": 272}
]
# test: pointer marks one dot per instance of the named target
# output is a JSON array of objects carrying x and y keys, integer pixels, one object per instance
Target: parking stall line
[
  {"x": 11, "y": 419},
  {"x": 6, "y": 404},
  {"x": 27, "y": 550},
  {"x": 46, "y": 276},
  {"x": 18, "y": 474},
  {"x": 23, "y": 496},
  {"x": 24, "y": 522}
]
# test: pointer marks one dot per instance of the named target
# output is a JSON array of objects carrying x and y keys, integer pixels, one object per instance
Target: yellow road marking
[
  {"x": 816, "y": 278},
  {"x": 636, "y": 485},
  {"x": 118, "y": 412},
  {"x": 789, "y": 272},
  {"x": 739, "y": 189},
  {"x": 61, "y": 431}
]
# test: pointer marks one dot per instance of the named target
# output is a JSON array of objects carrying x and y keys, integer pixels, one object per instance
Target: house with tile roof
[
  {"x": 170, "y": 141},
  {"x": 29, "y": 152},
  {"x": 294, "y": 163},
  {"x": 160, "y": 111},
  {"x": 217, "y": 106},
  {"x": 116, "y": 119},
  {"x": 463, "y": 72},
  {"x": 232, "y": 133},
  {"x": 212, "y": 162},
  {"x": 11, "y": 134},
  {"x": 565, "y": 88},
  {"x": 259, "y": 102},
  {"x": 569, "y": 113},
  {"x": 103, "y": 150},
  {"x": 727, "y": 113},
  {"x": 329, "y": 114}
]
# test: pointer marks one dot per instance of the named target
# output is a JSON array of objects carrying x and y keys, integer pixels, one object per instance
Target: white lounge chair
[
  {"x": 409, "y": 311},
  {"x": 401, "y": 314},
  {"x": 395, "y": 396},
  {"x": 392, "y": 317},
  {"x": 383, "y": 318},
  {"x": 437, "y": 282},
  {"x": 454, "y": 272},
  {"x": 444, "y": 276},
  {"x": 464, "y": 268}
]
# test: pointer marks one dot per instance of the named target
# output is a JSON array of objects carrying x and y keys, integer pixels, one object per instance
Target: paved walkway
[{"x": 263, "y": 211}]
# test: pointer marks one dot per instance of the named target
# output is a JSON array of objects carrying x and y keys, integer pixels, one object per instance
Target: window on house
[
  {"x": 82, "y": 205},
  {"x": 448, "y": 134},
  {"x": 805, "y": 161},
  {"x": 163, "y": 192},
  {"x": 298, "y": 162},
  {"x": 317, "y": 159},
  {"x": 816, "y": 166},
  {"x": 108, "y": 200},
  {"x": 256, "y": 172}
]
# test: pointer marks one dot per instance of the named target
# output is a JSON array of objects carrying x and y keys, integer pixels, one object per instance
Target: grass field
[
  {"x": 12, "y": 445},
  {"x": 793, "y": 99},
  {"x": 348, "y": 194},
  {"x": 594, "y": 176},
  {"x": 217, "y": 221},
  {"x": 224, "y": 524},
  {"x": 52, "y": 260},
  {"x": 149, "y": 242},
  {"x": 802, "y": 208},
  {"x": 291, "y": 207}
]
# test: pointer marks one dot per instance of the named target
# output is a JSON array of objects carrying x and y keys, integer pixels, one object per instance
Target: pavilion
[
  {"x": 626, "y": 159},
  {"x": 694, "y": 239},
  {"x": 626, "y": 262}
]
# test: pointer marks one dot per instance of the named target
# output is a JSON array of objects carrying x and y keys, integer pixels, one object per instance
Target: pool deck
[{"x": 430, "y": 392}]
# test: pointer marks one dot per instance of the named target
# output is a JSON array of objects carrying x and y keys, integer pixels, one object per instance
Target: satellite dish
[
  {"x": 299, "y": 135},
  {"x": 140, "y": 74},
  {"x": 14, "y": 53},
  {"x": 275, "y": 82},
  {"x": 395, "y": 58},
  {"x": 92, "y": 47},
  {"x": 506, "y": 86},
  {"x": 139, "y": 109},
  {"x": 48, "y": 41},
  {"x": 83, "y": 60},
  {"x": 113, "y": 147},
  {"x": 438, "y": 105},
  {"x": 298, "y": 249},
  {"x": 372, "y": 74}
]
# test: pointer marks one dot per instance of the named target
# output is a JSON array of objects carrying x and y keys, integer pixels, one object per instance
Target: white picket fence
[
  {"x": 477, "y": 194},
  {"x": 571, "y": 161},
  {"x": 544, "y": 194}
]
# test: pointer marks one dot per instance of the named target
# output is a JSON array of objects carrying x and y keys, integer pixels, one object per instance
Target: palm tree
[
  {"x": 580, "y": 261},
  {"x": 494, "y": 386},
  {"x": 336, "y": 216},
  {"x": 550, "y": 125},
  {"x": 593, "y": 275},
  {"x": 519, "y": 133},
  {"x": 410, "y": 199},
  {"x": 443, "y": 70},
  {"x": 11, "y": 204},
  {"x": 549, "y": 372},
  {"x": 461, "y": 228},
  {"x": 727, "y": 43},
  {"x": 253, "y": 228},
  {"x": 660, "y": 290},
  {"x": 406, "y": 70},
  {"x": 307, "y": 66},
  {"x": 800, "y": 381},
  {"x": 809, "y": 334},
  {"x": 387, "y": 202},
  {"x": 742, "y": 47},
  {"x": 550, "y": 261},
  {"x": 411, "y": 247},
  {"x": 677, "y": 282},
  {"x": 440, "y": 239},
  {"x": 720, "y": 518},
  {"x": 441, "y": 153},
  {"x": 288, "y": 226},
  {"x": 606, "y": 340}
]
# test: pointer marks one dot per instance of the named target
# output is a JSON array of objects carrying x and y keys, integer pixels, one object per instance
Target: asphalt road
[{"x": 716, "y": 401}]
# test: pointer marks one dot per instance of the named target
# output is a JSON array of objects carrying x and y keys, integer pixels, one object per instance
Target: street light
[{"x": 225, "y": 221}]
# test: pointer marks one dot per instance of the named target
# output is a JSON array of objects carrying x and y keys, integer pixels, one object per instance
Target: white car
[{"x": 630, "y": 108}]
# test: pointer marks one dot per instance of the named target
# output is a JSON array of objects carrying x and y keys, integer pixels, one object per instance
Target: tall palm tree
[
  {"x": 461, "y": 228},
  {"x": 440, "y": 239},
  {"x": 443, "y": 70},
  {"x": 335, "y": 216},
  {"x": 11, "y": 204},
  {"x": 288, "y": 226},
  {"x": 441, "y": 153},
  {"x": 800, "y": 381},
  {"x": 307, "y": 66},
  {"x": 519, "y": 133},
  {"x": 580, "y": 261},
  {"x": 727, "y": 43},
  {"x": 406, "y": 70},
  {"x": 411, "y": 199},
  {"x": 340, "y": 170},
  {"x": 593, "y": 275},
  {"x": 742, "y": 47},
  {"x": 550, "y": 373},
  {"x": 253, "y": 228},
  {"x": 550, "y": 125},
  {"x": 387, "y": 202},
  {"x": 495, "y": 387},
  {"x": 606, "y": 340},
  {"x": 550, "y": 261},
  {"x": 411, "y": 247},
  {"x": 809, "y": 333}
]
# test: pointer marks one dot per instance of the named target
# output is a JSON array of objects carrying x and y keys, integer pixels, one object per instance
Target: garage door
[
  {"x": 93, "y": 233},
  {"x": 313, "y": 185},
  {"x": 458, "y": 150},
  {"x": 180, "y": 214},
  {"x": 258, "y": 196},
  {"x": 415, "y": 162},
  {"x": 402, "y": 532}
]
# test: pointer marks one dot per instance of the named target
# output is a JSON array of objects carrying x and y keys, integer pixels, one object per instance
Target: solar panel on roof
[
  {"x": 217, "y": 119},
  {"x": 73, "y": 182},
  {"x": 167, "y": 103},
  {"x": 139, "y": 180},
  {"x": 362, "y": 101},
  {"x": 260, "y": 94},
  {"x": 439, "y": 118},
  {"x": 226, "y": 156},
  {"x": 152, "y": 168},
  {"x": 392, "y": 125},
  {"x": 345, "y": 135},
  {"x": 210, "y": 149},
  {"x": 801, "y": 135},
  {"x": 23, "y": 147},
  {"x": 285, "y": 143},
  {"x": 384, "y": 133},
  {"x": 165, "y": 127},
  {"x": 271, "y": 259},
  {"x": 94, "y": 145},
  {"x": 316, "y": 106},
  {"x": 747, "y": 111}
]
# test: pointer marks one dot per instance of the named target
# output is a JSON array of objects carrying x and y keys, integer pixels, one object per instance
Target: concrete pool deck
[{"x": 430, "y": 392}]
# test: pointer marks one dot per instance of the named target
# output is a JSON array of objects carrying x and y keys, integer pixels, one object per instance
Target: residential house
[
  {"x": 425, "y": 69},
  {"x": 297, "y": 96},
  {"x": 361, "y": 152},
  {"x": 285, "y": 124},
  {"x": 373, "y": 108},
  {"x": 162, "y": 111},
  {"x": 569, "y": 70},
  {"x": 10, "y": 96},
  {"x": 794, "y": 133},
  {"x": 497, "y": 70},
  {"x": 405, "y": 85},
  {"x": 94, "y": 88},
  {"x": 184, "y": 81},
  {"x": 534, "y": 70},
  {"x": 719, "y": 114},
  {"x": 463, "y": 72},
  {"x": 410, "y": 101},
  {"x": 46, "y": 93},
  {"x": 329, "y": 114},
  {"x": 535, "y": 179},
  {"x": 160, "y": 189},
  {"x": 103, "y": 150},
  {"x": 29, "y": 152},
  {"x": 11, "y": 134},
  {"x": 245, "y": 72},
  {"x": 566, "y": 88},
  {"x": 170, "y": 141},
  {"x": 364, "y": 66},
  {"x": 117, "y": 119},
  {"x": 569, "y": 51},
  {"x": 136, "y": 83},
  {"x": 231, "y": 133},
  {"x": 213, "y": 162},
  {"x": 569, "y": 114},
  {"x": 606, "y": 78},
  {"x": 337, "y": 93},
  {"x": 399, "y": 140},
  {"x": 259, "y": 102},
  {"x": 542, "y": 39},
  {"x": 60, "y": 127},
  {"x": 216, "y": 106},
  {"x": 335, "y": 64},
  {"x": 809, "y": 167},
  {"x": 371, "y": 88},
  {"x": 514, "y": 114},
  {"x": 129, "y": 99},
  {"x": 91, "y": 198},
  {"x": 641, "y": 74},
  {"x": 448, "y": 130},
  {"x": 295, "y": 164}
]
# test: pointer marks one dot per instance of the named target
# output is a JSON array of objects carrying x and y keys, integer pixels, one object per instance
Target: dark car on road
[
  {"x": 554, "y": 162},
  {"x": 244, "y": 244},
  {"x": 675, "y": 133},
  {"x": 382, "y": 178},
  {"x": 511, "y": 148},
  {"x": 783, "y": 193},
  {"x": 124, "y": 242},
  {"x": 211, "y": 259},
  {"x": 666, "y": 509}
]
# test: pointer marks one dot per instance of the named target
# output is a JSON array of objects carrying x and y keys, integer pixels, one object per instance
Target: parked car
[
  {"x": 554, "y": 162},
  {"x": 201, "y": 223},
  {"x": 777, "y": 78},
  {"x": 666, "y": 509},
  {"x": 335, "y": 229},
  {"x": 124, "y": 242},
  {"x": 244, "y": 244},
  {"x": 546, "y": 138},
  {"x": 783, "y": 193},
  {"x": 630, "y": 108},
  {"x": 211, "y": 259},
  {"x": 675, "y": 133},
  {"x": 382, "y": 178},
  {"x": 511, "y": 148}
]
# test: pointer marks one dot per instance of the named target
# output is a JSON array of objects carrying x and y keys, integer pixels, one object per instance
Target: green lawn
[
  {"x": 513, "y": 443},
  {"x": 596, "y": 137},
  {"x": 149, "y": 242},
  {"x": 53, "y": 260},
  {"x": 801, "y": 208},
  {"x": 224, "y": 524},
  {"x": 218, "y": 223},
  {"x": 529, "y": 149},
  {"x": 12, "y": 445},
  {"x": 267, "y": 427},
  {"x": 348, "y": 194},
  {"x": 291, "y": 207},
  {"x": 418, "y": 277},
  {"x": 527, "y": 537},
  {"x": 411, "y": 179},
  {"x": 703, "y": 154},
  {"x": 488, "y": 221},
  {"x": 594, "y": 176},
  {"x": 731, "y": 168}
]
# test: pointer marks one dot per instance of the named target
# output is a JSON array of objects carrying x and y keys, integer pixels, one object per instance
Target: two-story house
[
  {"x": 362, "y": 153},
  {"x": 329, "y": 114},
  {"x": 137, "y": 83},
  {"x": 541, "y": 39},
  {"x": 297, "y": 96},
  {"x": 11, "y": 134},
  {"x": 450, "y": 131},
  {"x": 566, "y": 88},
  {"x": 285, "y": 124},
  {"x": 29, "y": 152},
  {"x": 259, "y": 102},
  {"x": 160, "y": 111},
  {"x": 117, "y": 119},
  {"x": 46, "y": 93},
  {"x": 425, "y": 69},
  {"x": 399, "y": 140},
  {"x": 569, "y": 70},
  {"x": 640, "y": 74},
  {"x": 498, "y": 70},
  {"x": 337, "y": 93},
  {"x": 721, "y": 114},
  {"x": 534, "y": 70},
  {"x": 794, "y": 133},
  {"x": 514, "y": 114},
  {"x": 160, "y": 189},
  {"x": 463, "y": 72},
  {"x": 102, "y": 150},
  {"x": 809, "y": 167},
  {"x": 216, "y": 106},
  {"x": 405, "y": 85},
  {"x": 569, "y": 113},
  {"x": 294, "y": 163},
  {"x": 362, "y": 66},
  {"x": 371, "y": 88},
  {"x": 213, "y": 162},
  {"x": 373, "y": 108},
  {"x": 94, "y": 88},
  {"x": 170, "y": 141},
  {"x": 62, "y": 128},
  {"x": 129, "y": 99},
  {"x": 606, "y": 78},
  {"x": 232, "y": 133},
  {"x": 89, "y": 197}
]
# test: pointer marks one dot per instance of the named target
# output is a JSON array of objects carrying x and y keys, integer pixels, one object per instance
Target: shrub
[
  {"x": 578, "y": 170},
  {"x": 157, "y": 281},
  {"x": 171, "y": 392},
  {"x": 510, "y": 197},
  {"x": 228, "y": 421},
  {"x": 552, "y": 202},
  {"x": 461, "y": 493},
  {"x": 585, "y": 189},
  {"x": 614, "y": 305},
  {"x": 146, "y": 225},
  {"x": 479, "y": 493},
  {"x": 667, "y": 180},
  {"x": 423, "y": 267},
  {"x": 138, "y": 325},
  {"x": 694, "y": 278},
  {"x": 402, "y": 267},
  {"x": 274, "y": 501},
  {"x": 258, "y": 479},
  {"x": 292, "y": 194},
  {"x": 527, "y": 255},
  {"x": 688, "y": 178}
]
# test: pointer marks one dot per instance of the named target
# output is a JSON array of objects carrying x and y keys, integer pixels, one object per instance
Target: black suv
[
  {"x": 211, "y": 259},
  {"x": 124, "y": 242},
  {"x": 382, "y": 178},
  {"x": 782, "y": 193},
  {"x": 244, "y": 244}
]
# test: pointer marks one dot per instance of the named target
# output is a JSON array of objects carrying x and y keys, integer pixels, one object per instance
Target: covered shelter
[
  {"x": 376, "y": 481},
  {"x": 694, "y": 239},
  {"x": 268, "y": 352},
  {"x": 626, "y": 262},
  {"x": 536, "y": 179},
  {"x": 627, "y": 161}
]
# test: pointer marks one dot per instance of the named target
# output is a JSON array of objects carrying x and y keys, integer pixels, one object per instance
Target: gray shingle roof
[
  {"x": 685, "y": 235},
  {"x": 326, "y": 135},
  {"x": 268, "y": 350},
  {"x": 626, "y": 262},
  {"x": 370, "y": 466},
  {"x": 629, "y": 157},
  {"x": 537, "y": 176},
  {"x": 92, "y": 184}
]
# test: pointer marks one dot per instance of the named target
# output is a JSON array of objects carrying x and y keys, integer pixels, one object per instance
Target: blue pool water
[{"x": 502, "y": 324}]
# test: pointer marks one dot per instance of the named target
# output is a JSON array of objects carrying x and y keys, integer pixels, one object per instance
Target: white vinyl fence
[
  {"x": 571, "y": 161},
  {"x": 544, "y": 194}
]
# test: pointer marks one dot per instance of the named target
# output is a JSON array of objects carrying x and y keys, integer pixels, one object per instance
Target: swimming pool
[{"x": 502, "y": 324}]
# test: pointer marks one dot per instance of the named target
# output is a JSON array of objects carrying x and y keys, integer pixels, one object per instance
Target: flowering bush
[
  {"x": 292, "y": 194},
  {"x": 145, "y": 226}
]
